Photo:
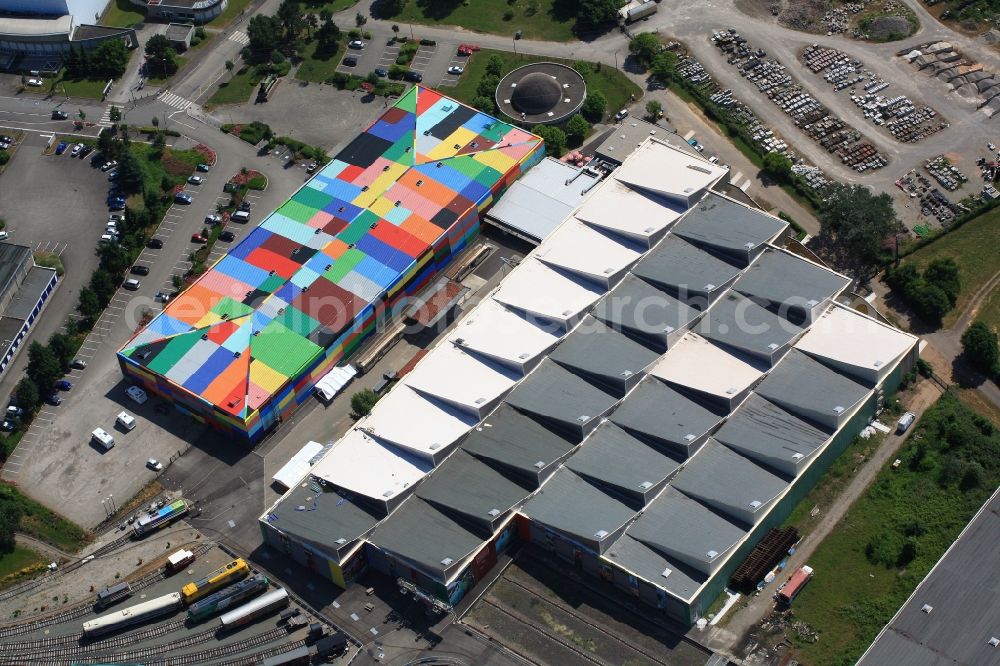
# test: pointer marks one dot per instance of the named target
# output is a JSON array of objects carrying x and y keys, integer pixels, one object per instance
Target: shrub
[
  {"x": 594, "y": 107},
  {"x": 362, "y": 402}
]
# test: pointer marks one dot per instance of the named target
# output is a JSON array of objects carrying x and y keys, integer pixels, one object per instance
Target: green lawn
[
  {"x": 44, "y": 524},
  {"x": 334, "y": 6},
  {"x": 894, "y": 533},
  {"x": 122, "y": 14},
  {"x": 537, "y": 19},
  {"x": 972, "y": 245},
  {"x": 614, "y": 85},
  {"x": 232, "y": 10},
  {"x": 236, "y": 90},
  {"x": 320, "y": 68},
  {"x": 173, "y": 165},
  {"x": 19, "y": 558}
]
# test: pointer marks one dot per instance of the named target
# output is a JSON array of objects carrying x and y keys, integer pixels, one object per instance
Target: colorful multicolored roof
[{"x": 356, "y": 231}]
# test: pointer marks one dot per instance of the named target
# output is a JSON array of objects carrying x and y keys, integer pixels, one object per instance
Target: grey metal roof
[
  {"x": 574, "y": 506},
  {"x": 726, "y": 226},
  {"x": 644, "y": 311},
  {"x": 808, "y": 388},
  {"x": 421, "y": 534},
  {"x": 686, "y": 532},
  {"x": 622, "y": 139},
  {"x": 727, "y": 481},
  {"x": 613, "y": 457},
  {"x": 684, "y": 270},
  {"x": 658, "y": 412},
  {"x": 12, "y": 258},
  {"x": 737, "y": 322},
  {"x": 965, "y": 605},
  {"x": 781, "y": 278},
  {"x": 324, "y": 519},
  {"x": 605, "y": 355},
  {"x": 512, "y": 439},
  {"x": 558, "y": 396},
  {"x": 771, "y": 436},
  {"x": 542, "y": 198},
  {"x": 470, "y": 487},
  {"x": 29, "y": 292},
  {"x": 647, "y": 563}
]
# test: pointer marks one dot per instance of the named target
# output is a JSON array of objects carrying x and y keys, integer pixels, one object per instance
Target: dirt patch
[
  {"x": 760, "y": 9},
  {"x": 886, "y": 27},
  {"x": 805, "y": 15}
]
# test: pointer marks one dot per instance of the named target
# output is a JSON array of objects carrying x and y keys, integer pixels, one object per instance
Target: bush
[
  {"x": 594, "y": 107},
  {"x": 255, "y": 132},
  {"x": 979, "y": 344},
  {"x": 576, "y": 130},
  {"x": 362, "y": 402},
  {"x": 931, "y": 294}
]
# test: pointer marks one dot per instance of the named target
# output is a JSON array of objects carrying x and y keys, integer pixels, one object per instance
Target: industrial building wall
[{"x": 312, "y": 558}]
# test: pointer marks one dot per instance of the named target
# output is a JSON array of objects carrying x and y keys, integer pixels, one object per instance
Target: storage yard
[{"x": 809, "y": 114}]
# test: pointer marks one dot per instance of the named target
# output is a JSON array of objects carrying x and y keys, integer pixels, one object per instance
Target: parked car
[
  {"x": 621, "y": 115},
  {"x": 381, "y": 72},
  {"x": 4, "y": 235},
  {"x": 154, "y": 243},
  {"x": 53, "y": 399},
  {"x": 198, "y": 238},
  {"x": 227, "y": 236},
  {"x": 183, "y": 198},
  {"x": 195, "y": 180},
  {"x": 76, "y": 150},
  {"x": 58, "y": 114},
  {"x": 137, "y": 394},
  {"x": 61, "y": 148},
  {"x": 8, "y": 426},
  {"x": 86, "y": 151},
  {"x": 116, "y": 204},
  {"x": 350, "y": 61},
  {"x": 113, "y": 175},
  {"x": 139, "y": 269},
  {"x": 413, "y": 77},
  {"x": 245, "y": 206},
  {"x": 312, "y": 168},
  {"x": 204, "y": 168},
  {"x": 108, "y": 166},
  {"x": 161, "y": 297},
  {"x": 132, "y": 284},
  {"x": 455, "y": 69},
  {"x": 214, "y": 218},
  {"x": 64, "y": 385},
  {"x": 35, "y": 83},
  {"x": 356, "y": 44},
  {"x": 78, "y": 364},
  {"x": 154, "y": 465}
]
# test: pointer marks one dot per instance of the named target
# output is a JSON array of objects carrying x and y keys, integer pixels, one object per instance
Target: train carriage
[
  {"x": 227, "y": 597},
  {"x": 221, "y": 577},
  {"x": 132, "y": 615},
  {"x": 259, "y": 607}
]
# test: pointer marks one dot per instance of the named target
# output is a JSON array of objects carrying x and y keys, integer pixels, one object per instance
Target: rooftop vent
[
  {"x": 994, "y": 641},
  {"x": 812, "y": 302},
  {"x": 435, "y": 446},
  {"x": 700, "y": 169},
  {"x": 878, "y": 364},
  {"x": 773, "y": 346},
  {"x": 646, "y": 485},
  {"x": 493, "y": 513},
  {"x": 364, "y": 188},
  {"x": 709, "y": 287},
  {"x": 600, "y": 534},
  {"x": 341, "y": 541},
  {"x": 648, "y": 230},
  {"x": 627, "y": 373},
  {"x": 689, "y": 437},
  {"x": 754, "y": 505},
  {"x": 583, "y": 418},
  {"x": 480, "y": 401},
  {"x": 419, "y": 183},
  {"x": 447, "y": 562},
  {"x": 731, "y": 390},
  {"x": 539, "y": 465},
  {"x": 385, "y": 168},
  {"x": 838, "y": 409},
  {"x": 688, "y": 190},
  {"x": 926, "y": 608},
  {"x": 668, "y": 329},
  {"x": 609, "y": 271},
  {"x": 797, "y": 457},
  {"x": 567, "y": 313},
  {"x": 524, "y": 356},
  {"x": 749, "y": 245},
  {"x": 712, "y": 554},
  {"x": 387, "y": 493},
  {"x": 666, "y": 572},
  {"x": 204, "y": 336}
]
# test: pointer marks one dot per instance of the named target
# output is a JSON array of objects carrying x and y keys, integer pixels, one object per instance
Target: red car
[
  {"x": 198, "y": 238},
  {"x": 467, "y": 49}
]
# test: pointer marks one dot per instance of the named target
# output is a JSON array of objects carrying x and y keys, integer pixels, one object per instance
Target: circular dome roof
[{"x": 536, "y": 93}]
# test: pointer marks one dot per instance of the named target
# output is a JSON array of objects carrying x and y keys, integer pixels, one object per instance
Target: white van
[
  {"x": 241, "y": 216},
  {"x": 905, "y": 422},
  {"x": 125, "y": 420},
  {"x": 103, "y": 438}
]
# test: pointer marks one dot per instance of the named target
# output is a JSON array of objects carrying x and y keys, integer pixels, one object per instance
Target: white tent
[
  {"x": 297, "y": 467},
  {"x": 334, "y": 382}
]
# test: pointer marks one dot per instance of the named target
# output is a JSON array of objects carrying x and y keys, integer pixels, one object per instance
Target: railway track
[
  {"x": 43, "y": 645},
  {"x": 254, "y": 659},
  {"x": 74, "y": 613},
  {"x": 533, "y": 628}
]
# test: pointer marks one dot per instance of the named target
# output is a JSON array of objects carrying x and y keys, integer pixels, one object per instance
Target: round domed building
[{"x": 542, "y": 92}]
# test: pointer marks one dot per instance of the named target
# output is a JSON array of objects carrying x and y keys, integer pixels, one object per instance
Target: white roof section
[
  {"x": 834, "y": 338},
  {"x": 416, "y": 424},
  {"x": 698, "y": 364},
  {"x": 334, "y": 381},
  {"x": 536, "y": 289},
  {"x": 296, "y": 468},
  {"x": 494, "y": 331},
  {"x": 361, "y": 465},
  {"x": 617, "y": 207},
  {"x": 668, "y": 171},
  {"x": 577, "y": 248},
  {"x": 460, "y": 379},
  {"x": 35, "y": 27}
]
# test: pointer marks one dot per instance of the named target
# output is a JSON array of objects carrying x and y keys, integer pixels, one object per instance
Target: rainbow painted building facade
[{"x": 242, "y": 347}]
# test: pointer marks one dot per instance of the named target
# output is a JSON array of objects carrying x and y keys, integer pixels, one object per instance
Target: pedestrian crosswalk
[
  {"x": 240, "y": 37},
  {"x": 105, "y": 120},
  {"x": 175, "y": 101}
]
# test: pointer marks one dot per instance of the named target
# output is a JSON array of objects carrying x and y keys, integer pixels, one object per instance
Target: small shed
[{"x": 179, "y": 35}]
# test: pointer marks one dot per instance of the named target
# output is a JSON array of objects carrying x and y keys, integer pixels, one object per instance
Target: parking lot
[{"x": 430, "y": 61}]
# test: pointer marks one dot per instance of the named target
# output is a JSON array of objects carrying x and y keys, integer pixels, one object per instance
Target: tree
[
  {"x": 485, "y": 104},
  {"x": 362, "y": 402},
  {"x": 494, "y": 66},
  {"x": 327, "y": 36},
  {"x": 265, "y": 36},
  {"x": 943, "y": 273},
  {"x": 27, "y": 395},
  {"x": 664, "y": 66},
  {"x": 778, "y": 166},
  {"x": 311, "y": 23},
  {"x": 107, "y": 61},
  {"x": 156, "y": 121},
  {"x": 653, "y": 110},
  {"x": 388, "y": 8},
  {"x": 10, "y": 520},
  {"x": 63, "y": 348},
  {"x": 594, "y": 107},
  {"x": 43, "y": 366},
  {"x": 856, "y": 223},
  {"x": 487, "y": 86},
  {"x": 289, "y": 15},
  {"x": 161, "y": 56},
  {"x": 81, "y": 114},
  {"x": 106, "y": 143},
  {"x": 596, "y": 13},
  {"x": 395, "y": 29},
  {"x": 89, "y": 305},
  {"x": 979, "y": 344},
  {"x": 645, "y": 46},
  {"x": 115, "y": 115},
  {"x": 130, "y": 173},
  {"x": 576, "y": 130},
  {"x": 555, "y": 140},
  {"x": 360, "y": 19},
  {"x": 230, "y": 66}
]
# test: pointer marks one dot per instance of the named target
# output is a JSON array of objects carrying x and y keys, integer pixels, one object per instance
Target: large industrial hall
[{"x": 655, "y": 386}]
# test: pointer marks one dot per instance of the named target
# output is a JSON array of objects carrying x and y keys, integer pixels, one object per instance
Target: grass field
[
  {"x": 236, "y": 90},
  {"x": 88, "y": 88},
  {"x": 15, "y": 561},
  {"x": 318, "y": 69},
  {"x": 538, "y": 19},
  {"x": 122, "y": 13},
  {"x": 614, "y": 85},
  {"x": 972, "y": 246},
  {"x": 895, "y": 533},
  {"x": 333, "y": 6},
  {"x": 44, "y": 524}
]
